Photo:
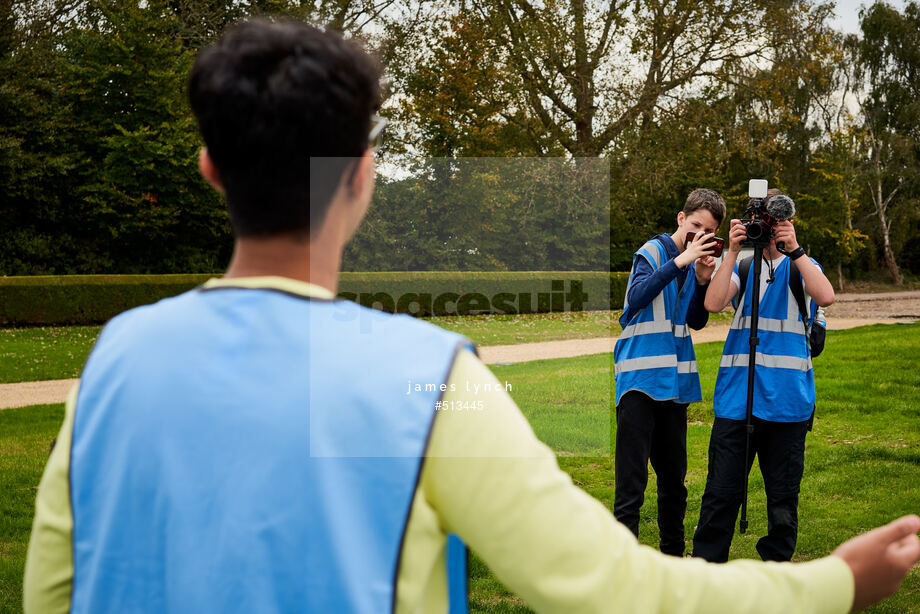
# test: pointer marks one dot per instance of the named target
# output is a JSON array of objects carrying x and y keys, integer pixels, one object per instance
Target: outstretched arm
[
  {"x": 881, "y": 558},
  {"x": 489, "y": 480},
  {"x": 48, "y": 581}
]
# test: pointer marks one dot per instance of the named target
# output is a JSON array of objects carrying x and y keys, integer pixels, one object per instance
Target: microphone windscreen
[{"x": 781, "y": 208}]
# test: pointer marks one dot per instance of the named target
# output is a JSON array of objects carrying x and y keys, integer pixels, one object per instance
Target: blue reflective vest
[
  {"x": 654, "y": 353},
  {"x": 248, "y": 450},
  {"x": 784, "y": 383}
]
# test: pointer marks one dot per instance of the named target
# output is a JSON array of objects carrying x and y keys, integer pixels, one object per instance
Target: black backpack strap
[
  {"x": 743, "y": 269},
  {"x": 797, "y": 286},
  {"x": 814, "y": 333}
]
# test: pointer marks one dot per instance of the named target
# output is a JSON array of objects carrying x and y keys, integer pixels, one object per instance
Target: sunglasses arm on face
[{"x": 375, "y": 138}]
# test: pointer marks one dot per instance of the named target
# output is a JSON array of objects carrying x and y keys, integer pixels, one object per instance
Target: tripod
[{"x": 756, "y": 265}]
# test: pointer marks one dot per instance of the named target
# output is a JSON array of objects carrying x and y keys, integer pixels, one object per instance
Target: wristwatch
[{"x": 797, "y": 253}]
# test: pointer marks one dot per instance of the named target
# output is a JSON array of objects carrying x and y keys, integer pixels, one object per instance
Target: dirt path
[
  {"x": 568, "y": 348},
  {"x": 35, "y": 393},
  {"x": 903, "y": 305},
  {"x": 848, "y": 311}
]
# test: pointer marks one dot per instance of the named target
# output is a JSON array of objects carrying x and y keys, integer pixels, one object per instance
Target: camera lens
[{"x": 755, "y": 230}]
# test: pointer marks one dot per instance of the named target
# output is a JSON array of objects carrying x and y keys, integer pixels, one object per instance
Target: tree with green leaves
[
  {"x": 139, "y": 204},
  {"x": 890, "y": 56},
  {"x": 97, "y": 145},
  {"x": 98, "y": 149},
  {"x": 35, "y": 158},
  {"x": 836, "y": 198},
  {"x": 582, "y": 72}
]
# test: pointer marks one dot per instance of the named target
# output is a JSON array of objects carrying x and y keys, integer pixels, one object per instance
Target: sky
[{"x": 848, "y": 13}]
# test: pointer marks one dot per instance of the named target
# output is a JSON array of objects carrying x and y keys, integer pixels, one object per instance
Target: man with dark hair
[
  {"x": 275, "y": 137},
  {"x": 655, "y": 367},
  {"x": 249, "y": 446}
]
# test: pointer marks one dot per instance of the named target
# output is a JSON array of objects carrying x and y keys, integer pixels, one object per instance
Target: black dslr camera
[{"x": 763, "y": 214}]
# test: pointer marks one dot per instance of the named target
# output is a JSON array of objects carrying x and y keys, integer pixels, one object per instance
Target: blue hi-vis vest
[
  {"x": 654, "y": 353},
  {"x": 244, "y": 450},
  {"x": 784, "y": 383}
]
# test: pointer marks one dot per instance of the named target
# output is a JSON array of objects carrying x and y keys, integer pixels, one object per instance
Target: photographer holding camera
[
  {"x": 783, "y": 390},
  {"x": 655, "y": 367}
]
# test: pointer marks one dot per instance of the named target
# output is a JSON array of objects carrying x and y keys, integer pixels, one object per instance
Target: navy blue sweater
[{"x": 647, "y": 284}]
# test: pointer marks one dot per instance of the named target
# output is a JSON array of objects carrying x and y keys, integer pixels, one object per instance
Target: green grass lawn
[
  {"x": 25, "y": 442},
  {"x": 529, "y": 328},
  {"x": 45, "y": 352},
  {"x": 58, "y": 352},
  {"x": 862, "y": 459}
]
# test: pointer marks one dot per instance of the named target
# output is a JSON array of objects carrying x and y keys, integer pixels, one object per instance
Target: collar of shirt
[
  {"x": 669, "y": 245},
  {"x": 269, "y": 282},
  {"x": 776, "y": 261}
]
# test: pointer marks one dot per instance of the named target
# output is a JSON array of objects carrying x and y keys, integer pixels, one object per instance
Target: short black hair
[{"x": 268, "y": 97}]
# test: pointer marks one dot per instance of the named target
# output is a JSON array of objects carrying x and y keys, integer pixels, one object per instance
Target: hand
[
  {"x": 736, "y": 235},
  {"x": 880, "y": 559},
  {"x": 699, "y": 247},
  {"x": 704, "y": 268},
  {"x": 784, "y": 232}
]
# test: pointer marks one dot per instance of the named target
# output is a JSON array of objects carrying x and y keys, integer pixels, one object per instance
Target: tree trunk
[
  {"x": 848, "y": 224},
  {"x": 889, "y": 254},
  {"x": 881, "y": 207}
]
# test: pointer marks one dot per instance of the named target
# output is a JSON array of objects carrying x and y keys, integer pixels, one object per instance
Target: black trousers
[
  {"x": 656, "y": 431},
  {"x": 781, "y": 449}
]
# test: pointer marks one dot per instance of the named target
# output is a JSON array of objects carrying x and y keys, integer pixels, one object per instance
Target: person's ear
[
  {"x": 209, "y": 171},
  {"x": 680, "y": 218},
  {"x": 359, "y": 187},
  {"x": 361, "y": 182}
]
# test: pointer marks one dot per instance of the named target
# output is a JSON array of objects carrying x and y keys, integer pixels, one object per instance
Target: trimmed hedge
[
  {"x": 93, "y": 299},
  {"x": 470, "y": 293},
  {"x": 84, "y": 299}
]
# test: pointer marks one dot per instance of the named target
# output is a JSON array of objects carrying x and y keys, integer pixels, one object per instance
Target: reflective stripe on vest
[
  {"x": 784, "y": 380},
  {"x": 655, "y": 362},
  {"x": 766, "y": 360},
  {"x": 654, "y": 353},
  {"x": 660, "y": 326},
  {"x": 772, "y": 324},
  {"x": 248, "y": 450}
]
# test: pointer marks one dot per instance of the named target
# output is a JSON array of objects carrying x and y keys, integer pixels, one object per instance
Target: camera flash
[{"x": 757, "y": 188}]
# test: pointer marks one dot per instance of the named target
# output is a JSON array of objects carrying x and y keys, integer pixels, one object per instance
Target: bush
[
  {"x": 84, "y": 299},
  {"x": 472, "y": 293},
  {"x": 93, "y": 299}
]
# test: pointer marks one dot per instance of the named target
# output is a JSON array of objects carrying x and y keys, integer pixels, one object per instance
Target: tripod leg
[{"x": 754, "y": 297}]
